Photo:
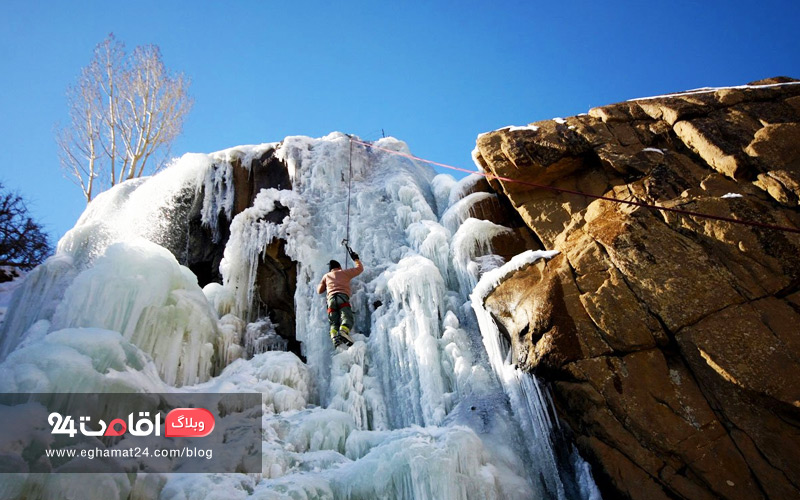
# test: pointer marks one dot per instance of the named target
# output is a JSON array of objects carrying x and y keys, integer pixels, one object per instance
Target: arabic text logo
[{"x": 180, "y": 422}]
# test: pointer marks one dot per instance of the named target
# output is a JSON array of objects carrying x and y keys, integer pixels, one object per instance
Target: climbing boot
[
  {"x": 344, "y": 334},
  {"x": 335, "y": 338}
]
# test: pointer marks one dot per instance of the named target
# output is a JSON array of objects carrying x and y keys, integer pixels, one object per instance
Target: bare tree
[
  {"x": 23, "y": 242},
  {"x": 125, "y": 111}
]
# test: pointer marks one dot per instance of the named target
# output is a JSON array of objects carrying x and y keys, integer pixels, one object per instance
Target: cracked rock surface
[{"x": 671, "y": 342}]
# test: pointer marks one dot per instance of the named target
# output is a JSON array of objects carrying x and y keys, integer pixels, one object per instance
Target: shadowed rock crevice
[
  {"x": 276, "y": 282},
  {"x": 499, "y": 210},
  {"x": 670, "y": 341}
]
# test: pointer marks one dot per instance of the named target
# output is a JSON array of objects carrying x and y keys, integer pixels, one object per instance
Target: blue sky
[{"x": 434, "y": 74}]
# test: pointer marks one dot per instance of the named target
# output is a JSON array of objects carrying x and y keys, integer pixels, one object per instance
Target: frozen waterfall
[{"x": 424, "y": 405}]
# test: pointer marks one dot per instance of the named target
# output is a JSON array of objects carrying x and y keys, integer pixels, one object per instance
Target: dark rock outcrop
[
  {"x": 670, "y": 341},
  {"x": 204, "y": 251},
  {"x": 8, "y": 273},
  {"x": 498, "y": 209},
  {"x": 276, "y": 282}
]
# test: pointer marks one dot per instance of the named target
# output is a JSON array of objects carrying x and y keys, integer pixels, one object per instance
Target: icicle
[
  {"x": 250, "y": 235},
  {"x": 464, "y": 370},
  {"x": 261, "y": 337},
  {"x": 354, "y": 390},
  {"x": 218, "y": 197},
  {"x": 432, "y": 241},
  {"x": 36, "y": 299},
  {"x": 407, "y": 337},
  {"x": 229, "y": 342},
  {"x": 442, "y": 185}
]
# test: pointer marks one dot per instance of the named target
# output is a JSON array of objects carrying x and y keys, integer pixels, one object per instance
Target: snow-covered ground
[{"x": 416, "y": 408}]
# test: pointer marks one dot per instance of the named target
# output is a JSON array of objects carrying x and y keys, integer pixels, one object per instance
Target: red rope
[{"x": 587, "y": 195}]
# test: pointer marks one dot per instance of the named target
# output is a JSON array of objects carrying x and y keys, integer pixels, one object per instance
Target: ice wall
[
  {"x": 111, "y": 271},
  {"x": 419, "y": 407}
]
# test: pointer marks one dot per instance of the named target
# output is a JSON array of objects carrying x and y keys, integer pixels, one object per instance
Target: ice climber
[{"x": 337, "y": 283}]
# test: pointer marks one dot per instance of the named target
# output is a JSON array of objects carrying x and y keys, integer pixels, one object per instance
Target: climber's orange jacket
[{"x": 338, "y": 280}]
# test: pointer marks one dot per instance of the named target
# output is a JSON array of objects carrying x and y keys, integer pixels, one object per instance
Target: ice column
[{"x": 407, "y": 339}]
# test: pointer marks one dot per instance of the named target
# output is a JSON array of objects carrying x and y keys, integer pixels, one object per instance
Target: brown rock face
[{"x": 671, "y": 342}]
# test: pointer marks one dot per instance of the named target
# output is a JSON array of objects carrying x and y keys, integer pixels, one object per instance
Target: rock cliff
[{"x": 671, "y": 342}]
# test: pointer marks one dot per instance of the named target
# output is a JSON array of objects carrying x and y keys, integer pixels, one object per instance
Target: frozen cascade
[
  {"x": 415, "y": 409},
  {"x": 353, "y": 392},
  {"x": 138, "y": 289},
  {"x": 261, "y": 337},
  {"x": 523, "y": 389},
  {"x": 407, "y": 339},
  {"x": 471, "y": 251},
  {"x": 250, "y": 235},
  {"x": 43, "y": 286},
  {"x": 432, "y": 241},
  {"x": 460, "y": 211}
]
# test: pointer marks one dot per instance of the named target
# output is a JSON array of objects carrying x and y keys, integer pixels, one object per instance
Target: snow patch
[
  {"x": 472, "y": 240},
  {"x": 708, "y": 90},
  {"x": 492, "y": 279},
  {"x": 532, "y": 128}
]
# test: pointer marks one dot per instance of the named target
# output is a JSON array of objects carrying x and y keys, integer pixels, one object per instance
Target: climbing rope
[
  {"x": 349, "y": 184},
  {"x": 587, "y": 195}
]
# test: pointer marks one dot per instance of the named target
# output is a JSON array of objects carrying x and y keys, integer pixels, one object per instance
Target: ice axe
[
  {"x": 346, "y": 244},
  {"x": 350, "y": 251}
]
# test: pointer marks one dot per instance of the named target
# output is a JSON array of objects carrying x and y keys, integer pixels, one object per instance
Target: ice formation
[
  {"x": 524, "y": 391},
  {"x": 424, "y": 405}
]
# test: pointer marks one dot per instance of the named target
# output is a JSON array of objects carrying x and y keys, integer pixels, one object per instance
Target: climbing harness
[
  {"x": 580, "y": 193},
  {"x": 340, "y": 315}
]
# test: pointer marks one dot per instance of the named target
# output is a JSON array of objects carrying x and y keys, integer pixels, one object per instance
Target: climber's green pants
[{"x": 340, "y": 314}]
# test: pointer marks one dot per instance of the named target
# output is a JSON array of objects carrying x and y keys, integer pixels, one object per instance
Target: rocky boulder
[{"x": 670, "y": 341}]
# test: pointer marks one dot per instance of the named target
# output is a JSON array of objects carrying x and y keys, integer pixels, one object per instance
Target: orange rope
[{"x": 587, "y": 195}]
